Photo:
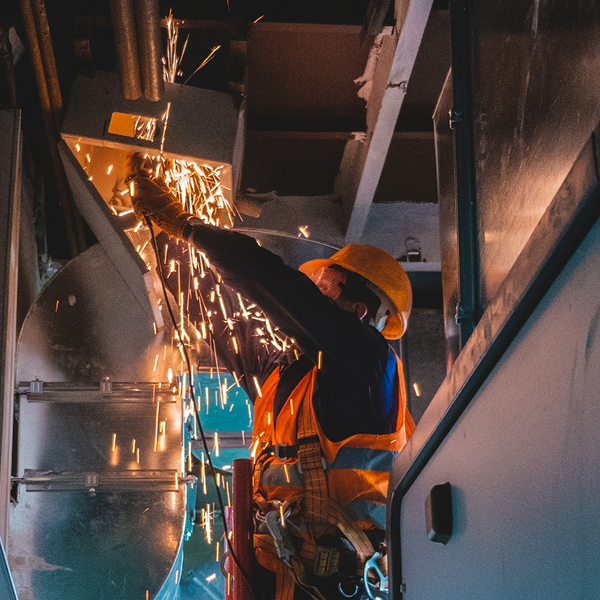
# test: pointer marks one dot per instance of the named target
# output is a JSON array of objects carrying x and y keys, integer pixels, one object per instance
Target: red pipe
[
  {"x": 242, "y": 528},
  {"x": 228, "y": 561}
]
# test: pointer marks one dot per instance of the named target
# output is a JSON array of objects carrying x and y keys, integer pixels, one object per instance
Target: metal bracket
[
  {"x": 402, "y": 86},
  {"x": 454, "y": 117},
  {"x": 37, "y": 386},
  {"x": 283, "y": 452},
  {"x": 281, "y": 537},
  {"x": 87, "y": 481},
  {"x": 104, "y": 391},
  {"x": 105, "y": 385},
  {"x": 463, "y": 312}
]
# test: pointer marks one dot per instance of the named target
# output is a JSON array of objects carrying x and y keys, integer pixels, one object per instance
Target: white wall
[{"x": 524, "y": 463}]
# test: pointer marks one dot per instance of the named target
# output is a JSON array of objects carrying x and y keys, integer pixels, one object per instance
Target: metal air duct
[
  {"x": 148, "y": 28},
  {"x": 138, "y": 44},
  {"x": 123, "y": 22}
]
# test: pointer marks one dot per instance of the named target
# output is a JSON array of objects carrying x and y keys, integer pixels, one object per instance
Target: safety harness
[{"x": 287, "y": 532}]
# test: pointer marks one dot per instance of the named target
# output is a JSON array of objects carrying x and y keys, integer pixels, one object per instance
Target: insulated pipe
[
  {"x": 149, "y": 43},
  {"x": 122, "y": 16},
  {"x": 48, "y": 60},
  {"x": 51, "y": 76},
  {"x": 56, "y": 104},
  {"x": 49, "y": 126},
  {"x": 8, "y": 87},
  {"x": 242, "y": 527}
]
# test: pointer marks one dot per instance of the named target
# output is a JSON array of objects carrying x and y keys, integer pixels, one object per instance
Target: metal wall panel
[
  {"x": 10, "y": 198},
  {"x": 566, "y": 222},
  {"x": 536, "y": 78},
  {"x": 423, "y": 359},
  {"x": 522, "y": 462},
  {"x": 7, "y": 586},
  {"x": 88, "y": 325},
  {"x": 106, "y": 228},
  {"x": 109, "y": 544}
]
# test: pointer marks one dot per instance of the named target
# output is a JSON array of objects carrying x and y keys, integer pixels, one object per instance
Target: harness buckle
[
  {"x": 283, "y": 452},
  {"x": 281, "y": 537},
  {"x": 326, "y": 562}
]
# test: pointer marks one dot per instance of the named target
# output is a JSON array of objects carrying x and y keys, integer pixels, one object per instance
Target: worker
[{"x": 330, "y": 409}]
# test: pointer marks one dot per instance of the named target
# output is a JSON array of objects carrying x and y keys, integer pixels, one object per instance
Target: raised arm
[{"x": 351, "y": 353}]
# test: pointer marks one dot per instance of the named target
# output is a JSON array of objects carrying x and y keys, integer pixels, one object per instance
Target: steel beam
[
  {"x": 392, "y": 75},
  {"x": 461, "y": 119}
]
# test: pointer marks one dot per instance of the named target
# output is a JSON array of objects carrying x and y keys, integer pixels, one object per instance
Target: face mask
[
  {"x": 328, "y": 281},
  {"x": 380, "y": 325}
]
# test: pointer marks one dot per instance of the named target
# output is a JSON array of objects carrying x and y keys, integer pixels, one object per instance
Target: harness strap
[
  {"x": 296, "y": 568},
  {"x": 339, "y": 517},
  {"x": 284, "y": 583},
  {"x": 307, "y": 552},
  {"x": 325, "y": 561},
  {"x": 318, "y": 511},
  {"x": 262, "y": 504},
  {"x": 265, "y": 552},
  {"x": 288, "y": 574},
  {"x": 311, "y": 462}
]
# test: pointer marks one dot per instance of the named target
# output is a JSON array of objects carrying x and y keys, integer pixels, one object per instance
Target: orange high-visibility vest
[{"x": 357, "y": 468}]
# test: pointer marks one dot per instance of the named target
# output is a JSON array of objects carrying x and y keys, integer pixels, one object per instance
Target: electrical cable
[{"x": 197, "y": 416}]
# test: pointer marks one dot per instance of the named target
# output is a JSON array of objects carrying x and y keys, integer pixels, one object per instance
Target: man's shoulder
[{"x": 376, "y": 339}]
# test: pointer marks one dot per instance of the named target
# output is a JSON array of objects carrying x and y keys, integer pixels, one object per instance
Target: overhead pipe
[
  {"x": 75, "y": 242},
  {"x": 126, "y": 42},
  {"x": 49, "y": 63},
  {"x": 51, "y": 76},
  {"x": 8, "y": 88},
  {"x": 147, "y": 17}
]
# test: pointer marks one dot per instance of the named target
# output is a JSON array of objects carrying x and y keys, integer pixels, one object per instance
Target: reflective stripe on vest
[
  {"x": 369, "y": 459},
  {"x": 369, "y": 511},
  {"x": 358, "y": 468}
]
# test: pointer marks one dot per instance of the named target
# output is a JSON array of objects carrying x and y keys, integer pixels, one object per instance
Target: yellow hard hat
[{"x": 381, "y": 270}]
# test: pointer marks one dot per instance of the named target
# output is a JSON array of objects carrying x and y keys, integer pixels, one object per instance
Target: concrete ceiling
[
  {"x": 351, "y": 123},
  {"x": 340, "y": 134}
]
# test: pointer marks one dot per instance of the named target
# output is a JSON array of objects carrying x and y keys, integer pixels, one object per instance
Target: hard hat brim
[{"x": 396, "y": 323}]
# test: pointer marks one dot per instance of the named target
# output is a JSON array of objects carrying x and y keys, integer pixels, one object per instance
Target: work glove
[{"x": 152, "y": 198}]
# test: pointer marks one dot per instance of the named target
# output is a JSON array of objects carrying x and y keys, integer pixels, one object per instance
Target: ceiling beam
[{"x": 392, "y": 75}]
